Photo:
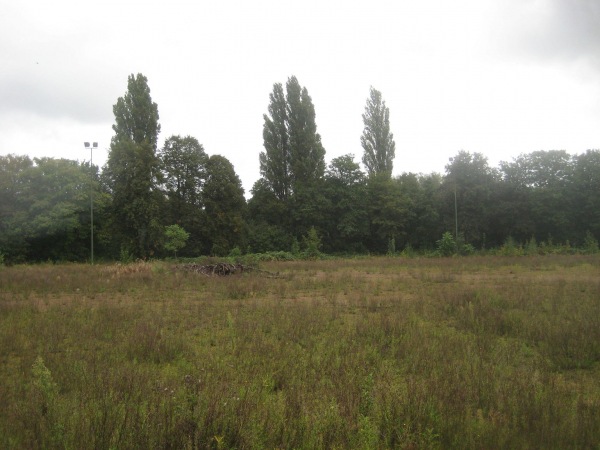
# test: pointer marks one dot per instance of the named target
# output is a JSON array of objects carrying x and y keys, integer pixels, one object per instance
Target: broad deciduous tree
[
  {"x": 471, "y": 182},
  {"x": 224, "y": 203},
  {"x": 45, "y": 208},
  {"x": 389, "y": 211},
  {"x": 347, "y": 221},
  {"x": 545, "y": 177},
  {"x": 176, "y": 238},
  {"x": 183, "y": 163},
  {"x": 184, "y": 170},
  {"x": 585, "y": 194}
]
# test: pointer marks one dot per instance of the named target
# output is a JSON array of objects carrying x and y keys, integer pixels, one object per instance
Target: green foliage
[
  {"x": 275, "y": 160},
  {"x": 312, "y": 244},
  {"x": 235, "y": 253},
  {"x": 446, "y": 246},
  {"x": 389, "y": 210},
  {"x": 583, "y": 199},
  {"x": 133, "y": 170},
  {"x": 422, "y": 227},
  {"x": 391, "y": 246},
  {"x": 155, "y": 358},
  {"x": 45, "y": 208},
  {"x": 345, "y": 171},
  {"x": 345, "y": 220},
  {"x": 295, "y": 249},
  {"x": 377, "y": 140},
  {"x": 408, "y": 251},
  {"x": 268, "y": 220},
  {"x": 176, "y": 238},
  {"x": 590, "y": 244},
  {"x": 539, "y": 169},
  {"x": 511, "y": 248},
  {"x": 274, "y": 256},
  {"x": 126, "y": 256},
  {"x": 467, "y": 249},
  {"x": 224, "y": 204},
  {"x": 183, "y": 163},
  {"x": 467, "y": 195},
  {"x": 551, "y": 192},
  {"x": 294, "y": 155},
  {"x": 292, "y": 169},
  {"x": 531, "y": 247},
  {"x": 43, "y": 384},
  {"x": 136, "y": 115},
  {"x": 44, "y": 202}
]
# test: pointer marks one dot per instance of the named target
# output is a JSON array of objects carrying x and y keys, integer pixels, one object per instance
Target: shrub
[
  {"x": 511, "y": 248},
  {"x": 391, "y": 246},
  {"x": 590, "y": 244},
  {"x": 126, "y": 256},
  {"x": 467, "y": 249},
  {"x": 176, "y": 238},
  {"x": 235, "y": 252},
  {"x": 531, "y": 248},
  {"x": 446, "y": 246},
  {"x": 312, "y": 244},
  {"x": 295, "y": 247}
]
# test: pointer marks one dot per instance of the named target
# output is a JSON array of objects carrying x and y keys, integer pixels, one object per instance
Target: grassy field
[{"x": 478, "y": 352}]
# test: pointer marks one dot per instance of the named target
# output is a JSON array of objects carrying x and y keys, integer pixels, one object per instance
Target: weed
[{"x": 478, "y": 352}]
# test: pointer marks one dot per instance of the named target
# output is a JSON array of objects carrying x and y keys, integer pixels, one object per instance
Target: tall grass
[{"x": 484, "y": 352}]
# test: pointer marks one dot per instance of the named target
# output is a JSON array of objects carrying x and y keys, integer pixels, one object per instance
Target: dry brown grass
[{"x": 368, "y": 353}]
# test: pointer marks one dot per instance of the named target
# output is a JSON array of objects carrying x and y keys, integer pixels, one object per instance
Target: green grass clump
[{"x": 480, "y": 352}]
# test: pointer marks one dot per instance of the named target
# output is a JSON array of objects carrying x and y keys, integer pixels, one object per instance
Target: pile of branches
[{"x": 220, "y": 269}]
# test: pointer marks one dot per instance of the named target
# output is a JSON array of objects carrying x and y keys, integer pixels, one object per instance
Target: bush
[
  {"x": 511, "y": 248},
  {"x": 312, "y": 244},
  {"x": 391, "y": 246},
  {"x": 590, "y": 244},
  {"x": 295, "y": 247},
  {"x": 446, "y": 246},
  {"x": 126, "y": 256},
  {"x": 531, "y": 248},
  {"x": 176, "y": 238},
  {"x": 274, "y": 256},
  {"x": 235, "y": 252},
  {"x": 467, "y": 249}
]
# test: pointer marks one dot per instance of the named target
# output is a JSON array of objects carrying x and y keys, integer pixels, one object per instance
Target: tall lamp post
[{"x": 91, "y": 147}]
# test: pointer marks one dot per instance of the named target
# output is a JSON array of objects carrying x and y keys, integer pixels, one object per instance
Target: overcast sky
[{"x": 500, "y": 77}]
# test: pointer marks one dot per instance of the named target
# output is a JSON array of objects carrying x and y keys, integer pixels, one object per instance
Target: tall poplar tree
[
  {"x": 377, "y": 140},
  {"x": 133, "y": 169},
  {"x": 275, "y": 160},
  {"x": 307, "y": 155},
  {"x": 294, "y": 155}
]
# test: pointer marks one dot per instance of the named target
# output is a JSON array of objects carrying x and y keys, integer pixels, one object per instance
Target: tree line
[{"x": 145, "y": 194}]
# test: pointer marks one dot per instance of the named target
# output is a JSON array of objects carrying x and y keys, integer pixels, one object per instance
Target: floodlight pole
[
  {"x": 91, "y": 147},
  {"x": 455, "y": 216}
]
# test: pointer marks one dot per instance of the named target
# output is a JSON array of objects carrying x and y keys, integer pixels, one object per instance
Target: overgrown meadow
[{"x": 477, "y": 352}]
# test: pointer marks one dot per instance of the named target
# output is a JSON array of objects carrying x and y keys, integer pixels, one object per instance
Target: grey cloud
[
  {"x": 47, "y": 92},
  {"x": 552, "y": 29}
]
